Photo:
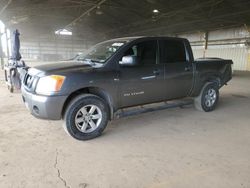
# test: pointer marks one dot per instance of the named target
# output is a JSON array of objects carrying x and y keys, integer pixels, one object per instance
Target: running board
[{"x": 145, "y": 109}]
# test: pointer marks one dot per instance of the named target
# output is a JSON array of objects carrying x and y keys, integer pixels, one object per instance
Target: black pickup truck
[{"x": 121, "y": 73}]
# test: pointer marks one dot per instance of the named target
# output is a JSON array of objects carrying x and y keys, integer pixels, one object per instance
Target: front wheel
[
  {"x": 86, "y": 117},
  {"x": 208, "y": 98}
]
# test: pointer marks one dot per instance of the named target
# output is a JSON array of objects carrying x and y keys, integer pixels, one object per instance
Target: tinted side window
[
  {"x": 145, "y": 51},
  {"x": 173, "y": 51}
]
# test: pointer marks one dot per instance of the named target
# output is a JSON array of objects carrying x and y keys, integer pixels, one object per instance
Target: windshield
[{"x": 101, "y": 52}]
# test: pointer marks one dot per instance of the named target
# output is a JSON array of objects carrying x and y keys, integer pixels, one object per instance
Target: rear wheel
[
  {"x": 86, "y": 117},
  {"x": 208, "y": 98}
]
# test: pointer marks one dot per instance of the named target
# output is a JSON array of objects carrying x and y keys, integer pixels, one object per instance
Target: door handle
[
  {"x": 187, "y": 69},
  {"x": 156, "y": 72}
]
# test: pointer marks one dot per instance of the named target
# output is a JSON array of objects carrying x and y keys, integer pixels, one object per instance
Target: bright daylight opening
[
  {"x": 5, "y": 39},
  {"x": 63, "y": 32}
]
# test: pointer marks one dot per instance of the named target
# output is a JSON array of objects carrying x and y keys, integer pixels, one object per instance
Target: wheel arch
[
  {"x": 212, "y": 78},
  {"x": 91, "y": 90}
]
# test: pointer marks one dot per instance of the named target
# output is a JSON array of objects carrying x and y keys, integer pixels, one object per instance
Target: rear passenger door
[{"x": 178, "y": 69}]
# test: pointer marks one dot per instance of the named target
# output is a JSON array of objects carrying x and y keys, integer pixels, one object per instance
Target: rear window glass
[{"x": 173, "y": 51}]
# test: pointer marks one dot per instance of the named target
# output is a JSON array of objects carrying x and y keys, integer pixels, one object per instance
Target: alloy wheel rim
[
  {"x": 88, "y": 118},
  {"x": 210, "y": 97}
]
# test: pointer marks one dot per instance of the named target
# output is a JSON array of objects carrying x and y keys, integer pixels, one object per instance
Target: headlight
[{"x": 49, "y": 84}]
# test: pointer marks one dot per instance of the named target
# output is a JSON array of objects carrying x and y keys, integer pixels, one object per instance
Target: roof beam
[
  {"x": 85, "y": 13},
  {"x": 6, "y": 6}
]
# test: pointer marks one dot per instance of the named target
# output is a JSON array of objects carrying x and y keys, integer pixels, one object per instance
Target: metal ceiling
[{"x": 102, "y": 19}]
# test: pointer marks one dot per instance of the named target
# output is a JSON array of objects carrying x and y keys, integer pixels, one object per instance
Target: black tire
[
  {"x": 201, "y": 102},
  {"x": 73, "y": 108}
]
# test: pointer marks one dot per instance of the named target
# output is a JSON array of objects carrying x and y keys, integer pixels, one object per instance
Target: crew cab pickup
[{"x": 118, "y": 74}]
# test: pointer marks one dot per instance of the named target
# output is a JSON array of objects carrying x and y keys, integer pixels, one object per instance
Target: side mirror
[{"x": 129, "y": 61}]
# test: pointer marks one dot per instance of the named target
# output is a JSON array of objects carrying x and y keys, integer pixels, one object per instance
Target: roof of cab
[{"x": 143, "y": 37}]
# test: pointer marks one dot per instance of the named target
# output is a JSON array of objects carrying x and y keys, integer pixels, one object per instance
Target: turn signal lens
[{"x": 58, "y": 81}]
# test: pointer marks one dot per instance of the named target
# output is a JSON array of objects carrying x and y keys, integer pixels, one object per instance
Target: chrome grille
[{"x": 28, "y": 80}]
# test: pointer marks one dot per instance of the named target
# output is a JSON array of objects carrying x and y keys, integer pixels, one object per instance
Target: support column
[
  {"x": 7, "y": 44},
  {"x": 248, "y": 59},
  {"x": 248, "y": 48},
  {"x": 39, "y": 50},
  {"x": 248, "y": 55},
  {"x": 205, "y": 44},
  {"x": 1, "y": 52}
]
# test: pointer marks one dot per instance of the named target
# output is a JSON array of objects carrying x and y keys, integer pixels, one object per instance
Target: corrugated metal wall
[
  {"x": 227, "y": 44},
  {"x": 198, "y": 53},
  {"x": 50, "y": 50},
  {"x": 238, "y": 55},
  {"x": 31, "y": 50}
]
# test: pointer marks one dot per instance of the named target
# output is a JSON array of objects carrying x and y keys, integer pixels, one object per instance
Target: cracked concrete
[
  {"x": 174, "y": 148},
  {"x": 59, "y": 173}
]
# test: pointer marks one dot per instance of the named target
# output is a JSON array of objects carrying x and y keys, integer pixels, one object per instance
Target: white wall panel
[
  {"x": 233, "y": 33},
  {"x": 198, "y": 53},
  {"x": 55, "y": 49},
  {"x": 199, "y": 36},
  {"x": 238, "y": 55}
]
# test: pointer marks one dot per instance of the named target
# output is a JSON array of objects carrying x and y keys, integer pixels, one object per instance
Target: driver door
[{"x": 142, "y": 83}]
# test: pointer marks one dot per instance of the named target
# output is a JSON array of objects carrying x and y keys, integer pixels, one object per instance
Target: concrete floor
[{"x": 175, "y": 148}]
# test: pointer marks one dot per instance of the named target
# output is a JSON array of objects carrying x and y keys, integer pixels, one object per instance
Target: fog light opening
[{"x": 36, "y": 109}]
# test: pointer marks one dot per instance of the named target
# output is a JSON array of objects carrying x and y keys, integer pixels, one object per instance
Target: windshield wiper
[
  {"x": 95, "y": 60},
  {"x": 92, "y": 61}
]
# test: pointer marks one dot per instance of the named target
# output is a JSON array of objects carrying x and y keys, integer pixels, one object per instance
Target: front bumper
[{"x": 44, "y": 107}]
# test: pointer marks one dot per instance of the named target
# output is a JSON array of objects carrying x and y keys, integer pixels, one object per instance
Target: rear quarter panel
[{"x": 213, "y": 70}]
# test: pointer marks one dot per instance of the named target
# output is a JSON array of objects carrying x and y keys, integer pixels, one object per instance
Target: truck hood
[{"x": 60, "y": 67}]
